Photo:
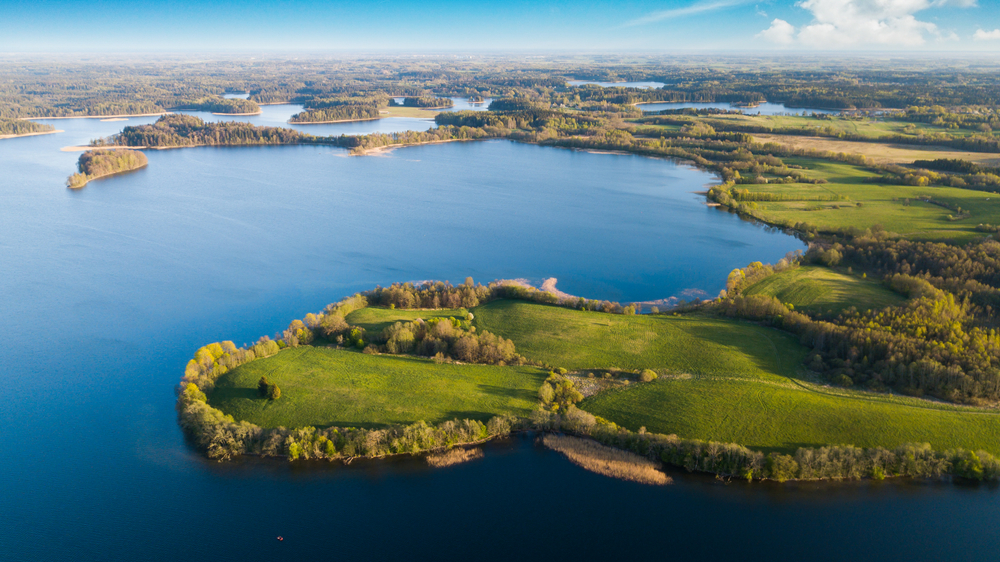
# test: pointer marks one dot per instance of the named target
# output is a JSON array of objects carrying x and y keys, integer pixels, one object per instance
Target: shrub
[{"x": 647, "y": 375}]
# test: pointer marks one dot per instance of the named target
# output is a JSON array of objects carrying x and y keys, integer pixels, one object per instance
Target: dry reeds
[
  {"x": 608, "y": 461},
  {"x": 454, "y": 456}
]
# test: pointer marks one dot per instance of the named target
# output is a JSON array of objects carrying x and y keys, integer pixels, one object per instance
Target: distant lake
[
  {"x": 765, "y": 108},
  {"x": 616, "y": 84},
  {"x": 109, "y": 290}
]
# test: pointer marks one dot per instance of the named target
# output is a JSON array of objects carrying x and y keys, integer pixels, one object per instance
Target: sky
[{"x": 507, "y": 26}]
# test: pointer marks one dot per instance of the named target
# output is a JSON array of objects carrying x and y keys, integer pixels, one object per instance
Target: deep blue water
[
  {"x": 765, "y": 108},
  {"x": 108, "y": 290}
]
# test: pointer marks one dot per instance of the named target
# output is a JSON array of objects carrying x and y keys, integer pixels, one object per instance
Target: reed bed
[
  {"x": 607, "y": 461},
  {"x": 454, "y": 456}
]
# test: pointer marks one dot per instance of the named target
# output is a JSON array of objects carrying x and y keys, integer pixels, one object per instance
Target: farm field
[
  {"x": 879, "y": 152},
  {"x": 898, "y": 208}
]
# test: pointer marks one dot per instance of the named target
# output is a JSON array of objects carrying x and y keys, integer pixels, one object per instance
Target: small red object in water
[{"x": 281, "y": 538}]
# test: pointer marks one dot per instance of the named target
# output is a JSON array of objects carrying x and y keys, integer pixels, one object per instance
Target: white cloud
[
  {"x": 760, "y": 12},
  {"x": 855, "y": 23},
  {"x": 983, "y": 35},
  {"x": 696, "y": 8},
  {"x": 780, "y": 32}
]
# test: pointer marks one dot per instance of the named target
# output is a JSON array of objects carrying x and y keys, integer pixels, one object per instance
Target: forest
[
  {"x": 336, "y": 113},
  {"x": 20, "y": 127},
  {"x": 224, "y": 106},
  {"x": 188, "y": 130}
]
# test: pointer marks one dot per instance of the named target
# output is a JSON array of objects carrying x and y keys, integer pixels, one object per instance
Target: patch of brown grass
[
  {"x": 454, "y": 456},
  {"x": 608, "y": 461},
  {"x": 880, "y": 152}
]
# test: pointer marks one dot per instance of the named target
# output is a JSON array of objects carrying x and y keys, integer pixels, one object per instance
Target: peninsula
[{"x": 95, "y": 164}]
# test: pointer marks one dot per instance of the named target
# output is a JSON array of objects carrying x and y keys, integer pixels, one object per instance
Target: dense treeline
[
  {"x": 20, "y": 127},
  {"x": 188, "y": 130},
  {"x": 941, "y": 342},
  {"x": 838, "y": 462},
  {"x": 336, "y": 113},
  {"x": 95, "y": 164},
  {"x": 232, "y": 106}
]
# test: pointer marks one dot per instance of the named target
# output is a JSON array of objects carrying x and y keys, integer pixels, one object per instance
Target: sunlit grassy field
[
  {"x": 900, "y": 209},
  {"x": 772, "y": 416},
  {"x": 745, "y": 386},
  {"x": 576, "y": 340},
  {"x": 323, "y": 387},
  {"x": 821, "y": 290}
]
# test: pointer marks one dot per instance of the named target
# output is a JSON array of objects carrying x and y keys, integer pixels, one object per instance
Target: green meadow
[
  {"x": 330, "y": 387},
  {"x": 820, "y": 290}
]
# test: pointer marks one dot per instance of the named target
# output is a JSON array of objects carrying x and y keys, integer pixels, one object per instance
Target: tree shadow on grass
[
  {"x": 227, "y": 393},
  {"x": 507, "y": 392}
]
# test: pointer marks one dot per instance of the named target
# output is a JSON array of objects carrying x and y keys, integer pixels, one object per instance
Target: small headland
[
  {"x": 14, "y": 128},
  {"x": 95, "y": 164}
]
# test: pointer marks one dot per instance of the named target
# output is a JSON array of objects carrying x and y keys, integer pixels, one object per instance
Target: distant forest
[{"x": 19, "y": 127}]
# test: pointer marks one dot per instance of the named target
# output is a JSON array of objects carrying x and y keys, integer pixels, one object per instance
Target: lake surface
[
  {"x": 108, "y": 290},
  {"x": 765, "y": 108},
  {"x": 616, "y": 84}
]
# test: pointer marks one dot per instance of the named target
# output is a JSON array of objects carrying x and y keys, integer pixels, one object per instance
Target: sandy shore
[
  {"x": 106, "y": 176},
  {"x": 102, "y": 117},
  {"x": 86, "y": 148},
  {"x": 30, "y": 134},
  {"x": 382, "y": 150}
]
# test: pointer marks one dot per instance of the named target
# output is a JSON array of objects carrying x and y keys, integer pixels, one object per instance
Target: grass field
[
  {"x": 872, "y": 128},
  {"x": 375, "y": 319},
  {"x": 746, "y": 384},
  {"x": 821, "y": 290},
  {"x": 700, "y": 344},
  {"x": 880, "y": 152},
  {"x": 769, "y": 415},
  {"x": 323, "y": 387},
  {"x": 880, "y": 204}
]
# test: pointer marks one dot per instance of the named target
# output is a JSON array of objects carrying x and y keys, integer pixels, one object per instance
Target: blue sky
[{"x": 517, "y": 25}]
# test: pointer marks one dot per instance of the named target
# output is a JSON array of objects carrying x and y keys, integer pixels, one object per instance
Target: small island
[
  {"x": 224, "y": 106},
  {"x": 95, "y": 164},
  {"x": 336, "y": 114}
]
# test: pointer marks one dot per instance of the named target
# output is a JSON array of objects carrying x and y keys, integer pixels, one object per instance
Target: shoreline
[
  {"x": 237, "y": 114},
  {"x": 329, "y": 122},
  {"x": 107, "y": 176},
  {"x": 123, "y": 116},
  {"x": 389, "y": 148},
  {"x": 31, "y": 134}
]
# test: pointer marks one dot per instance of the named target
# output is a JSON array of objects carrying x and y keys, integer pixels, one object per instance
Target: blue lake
[
  {"x": 765, "y": 108},
  {"x": 108, "y": 290}
]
